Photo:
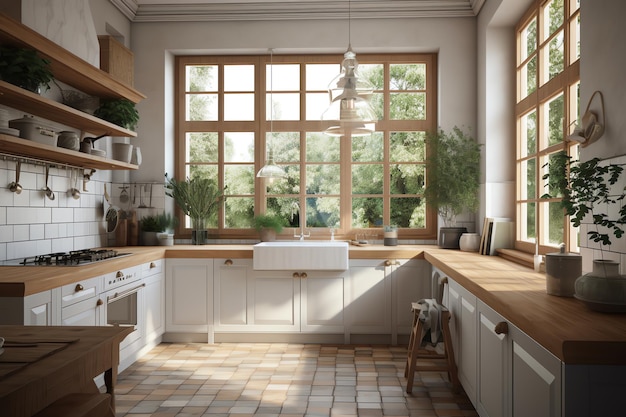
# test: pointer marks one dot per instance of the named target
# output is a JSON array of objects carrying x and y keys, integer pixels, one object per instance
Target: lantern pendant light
[
  {"x": 270, "y": 169},
  {"x": 350, "y": 111}
]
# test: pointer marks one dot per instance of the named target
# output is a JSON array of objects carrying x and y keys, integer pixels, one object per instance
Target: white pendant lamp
[
  {"x": 350, "y": 111},
  {"x": 270, "y": 170}
]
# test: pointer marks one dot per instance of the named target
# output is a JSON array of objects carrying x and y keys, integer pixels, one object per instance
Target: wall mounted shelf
[{"x": 19, "y": 147}]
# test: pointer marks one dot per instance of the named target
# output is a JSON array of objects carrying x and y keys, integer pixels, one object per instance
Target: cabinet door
[
  {"x": 84, "y": 313},
  {"x": 493, "y": 367},
  {"x": 189, "y": 295},
  {"x": 369, "y": 308},
  {"x": 410, "y": 282},
  {"x": 154, "y": 302},
  {"x": 274, "y": 301},
  {"x": 536, "y": 378},
  {"x": 324, "y": 301},
  {"x": 38, "y": 309},
  {"x": 231, "y": 293},
  {"x": 465, "y": 316}
]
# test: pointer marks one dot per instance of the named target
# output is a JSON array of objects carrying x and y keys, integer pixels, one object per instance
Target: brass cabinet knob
[
  {"x": 296, "y": 275},
  {"x": 228, "y": 262},
  {"x": 152, "y": 265},
  {"x": 303, "y": 275},
  {"x": 502, "y": 328},
  {"x": 387, "y": 262},
  {"x": 119, "y": 274},
  {"x": 99, "y": 302},
  {"x": 78, "y": 287}
]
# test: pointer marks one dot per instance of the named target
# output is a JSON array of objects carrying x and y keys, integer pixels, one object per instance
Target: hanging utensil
[
  {"x": 124, "y": 194},
  {"x": 15, "y": 185},
  {"x": 141, "y": 191},
  {"x": 74, "y": 191},
  {"x": 111, "y": 213},
  {"x": 48, "y": 190}
]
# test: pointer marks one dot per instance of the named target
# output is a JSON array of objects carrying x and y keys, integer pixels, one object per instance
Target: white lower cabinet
[
  {"x": 189, "y": 296},
  {"x": 82, "y": 303},
  {"x": 153, "y": 275},
  {"x": 38, "y": 309},
  {"x": 503, "y": 371},
  {"x": 323, "y": 301}
]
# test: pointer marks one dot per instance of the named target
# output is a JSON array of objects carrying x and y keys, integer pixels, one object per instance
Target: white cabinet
[
  {"x": 38, "y": 309},
  {"x": 369, "y": 310},
  {"x": 323, "y": 301},
  {"x": 410, "y": 282},
  {"x": 462, "y": 306},
  {"x": 154, "y": 300},
  {"x": 81, "y": 303},
  {"x": 189, "y": 296}
]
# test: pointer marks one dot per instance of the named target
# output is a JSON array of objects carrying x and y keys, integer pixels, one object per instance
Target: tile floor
[{"x": 281, "y": 380}]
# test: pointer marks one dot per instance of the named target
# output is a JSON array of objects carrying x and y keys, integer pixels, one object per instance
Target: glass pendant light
[
  {"x": 350, "y": 110},
  {"x": 270, "y": 169}
]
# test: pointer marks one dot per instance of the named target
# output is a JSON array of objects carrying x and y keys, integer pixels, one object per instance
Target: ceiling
[{"x": 238, "y": 10}]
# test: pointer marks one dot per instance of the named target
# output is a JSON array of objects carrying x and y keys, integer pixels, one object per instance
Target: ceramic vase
[
  {"x": 469, "y": 242},
  {"x": 602, "y": 289}
]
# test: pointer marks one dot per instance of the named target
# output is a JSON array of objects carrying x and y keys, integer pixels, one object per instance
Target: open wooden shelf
[
  {"x": 37, "y": 105},
  {"x": 28, "y": 149},
  {"x": 66, "y": 66}
]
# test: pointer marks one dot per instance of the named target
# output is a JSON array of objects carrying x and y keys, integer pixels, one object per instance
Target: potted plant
[
  {"x": 268, "y": 226},
  {"x": 593, "y": 193},
  {"x": 152, "y": 225},
  {"x": 199, "y": 198},
  {"x": 121, "y": 112},
  {"x": 452, "y": 179},
  {"x": 25, "y": 68}
]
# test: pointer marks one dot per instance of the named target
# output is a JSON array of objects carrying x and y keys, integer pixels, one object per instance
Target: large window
[
  {"x": 548, "y": 80},
  {"x": 233, "y": 111}
]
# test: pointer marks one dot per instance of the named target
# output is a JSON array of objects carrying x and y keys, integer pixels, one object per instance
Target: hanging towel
[{"x": 430, "y": 315}]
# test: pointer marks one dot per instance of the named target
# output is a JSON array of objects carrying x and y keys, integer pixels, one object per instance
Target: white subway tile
[
  {"x": 62, "y": 215},
  {"x": 21, "y": 232},
  {"x": 6, "y": 234},
  {"x": 28, "y": 215},
  {"x": 37, "y": 231}
]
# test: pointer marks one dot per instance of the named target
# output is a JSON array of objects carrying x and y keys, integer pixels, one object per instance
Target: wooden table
[{"x": 41, "y": 364}]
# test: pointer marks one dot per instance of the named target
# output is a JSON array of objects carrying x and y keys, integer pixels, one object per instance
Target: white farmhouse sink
[{"x": 297, "y": 255}]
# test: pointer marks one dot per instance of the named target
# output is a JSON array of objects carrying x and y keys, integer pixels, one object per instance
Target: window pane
[
  {"x": 407, "y": 77},
  {"x": 319, "y": 75},
  {"x": 286, "y": 107},
  {"x": 407, "y": 106},
  {"x": 238, "y": 107},
  {"x": 290, "y": 185},
  {"x": 407, "y": 146},
  {"x": 528, "y": 40},
  {"x": 528, "y": 77},
  {"x": 528, "y": 175},
  {"x": 201, "y": 147},
  {"x": 239, "y": 179},
  {"x": 286, "y": 208},
  {"x": 200, "y": 107},
  {"x": 367, "y": 179},
  {"x": 527, "y": 225},
  {"x": 322, "y": 148},
  {"x": 575, "y": 39},
  {"x": 322, "y": 211},
  {"x": 239, "y": 146},
  {"x": 238, "y": 212},
  {"x": 322, "y": 179},
  {"x": 553, "y": 15},
  {"x": 407, "y": 179},
  {"x": 367, "y": 212},
  {"x": 555, "y": 120},
  {"x": 408, "y": 212},
  {"x": 238, "y": 77},
  {"x": 377, "y": 104},
  {"x": 528, "y": 134},
  {"x": 556, "y": 229},
  {"x": 286, "y": 146},
  {"x": 316, "y": 104},
  {"x": 556, "y": 167},
  {"x": 201, "y": 78},
  {"x": 556, "y": 57},
  {"x": 367, "y": 148},
  {"x": 283, "y": 77}
]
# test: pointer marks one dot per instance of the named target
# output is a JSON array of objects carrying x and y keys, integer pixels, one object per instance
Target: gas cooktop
[{"x": 72, "y": 258}]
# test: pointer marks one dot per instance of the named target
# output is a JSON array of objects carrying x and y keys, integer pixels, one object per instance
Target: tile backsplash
[{"x": 32, "y": 224}]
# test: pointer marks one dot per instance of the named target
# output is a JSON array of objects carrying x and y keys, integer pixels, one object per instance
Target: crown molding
[{"x": 294, "y": 10}]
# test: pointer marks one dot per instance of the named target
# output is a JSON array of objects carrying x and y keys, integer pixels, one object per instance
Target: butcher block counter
[{"x": 562, "y": 325}]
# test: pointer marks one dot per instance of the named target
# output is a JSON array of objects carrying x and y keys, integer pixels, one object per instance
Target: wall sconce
[{"x": 590, "y": 129}]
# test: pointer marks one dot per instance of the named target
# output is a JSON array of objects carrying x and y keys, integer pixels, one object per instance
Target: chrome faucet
[
  {"x": 295, "y": 209},
  {"x": 302, "y": 235}
]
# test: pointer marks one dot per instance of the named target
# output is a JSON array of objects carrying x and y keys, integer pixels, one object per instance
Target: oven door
[{"x": 123, "y": 305}]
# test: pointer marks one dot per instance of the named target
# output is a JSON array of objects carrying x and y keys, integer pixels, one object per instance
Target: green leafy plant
[
  {"x": 268, "y": 221},
  {"x": 121, "y": 112},
  {"x": 199, "y": 198},
  {"x": 589, "y": 190},
  {"x": 452, "y": 173},
  {"x": 24, "y": 68},
  {"x": 158, "y": 222}
]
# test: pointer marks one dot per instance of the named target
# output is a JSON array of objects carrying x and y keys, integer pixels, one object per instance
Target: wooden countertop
[{"x": 563, "y": 325}]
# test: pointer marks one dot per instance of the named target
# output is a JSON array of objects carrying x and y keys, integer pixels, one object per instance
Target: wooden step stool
[{"x": 414, "y": 353}]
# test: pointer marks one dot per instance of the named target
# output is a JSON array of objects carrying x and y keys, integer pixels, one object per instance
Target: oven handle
[{"x": 125, "y": 293}]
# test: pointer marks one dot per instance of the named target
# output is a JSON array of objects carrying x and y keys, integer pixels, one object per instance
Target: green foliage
[
  {"x": 121, "y": 112},
  {"x": 589, "y": 187},
  {"x": 199, "y": 198},
  {"x": 268, "y": 221},
  {"x": 158, "y": 223},
  {"x": 24, "y": 68},
  {"x": 452, "y": 173}
]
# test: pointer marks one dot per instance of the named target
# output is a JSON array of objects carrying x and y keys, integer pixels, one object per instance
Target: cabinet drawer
[
  {"x": 152, "y": 268},
  {"x": 81, "y": 290}
]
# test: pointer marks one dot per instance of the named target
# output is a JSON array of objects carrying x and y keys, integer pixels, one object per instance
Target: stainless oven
[{"x": 124, "y": 300}]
